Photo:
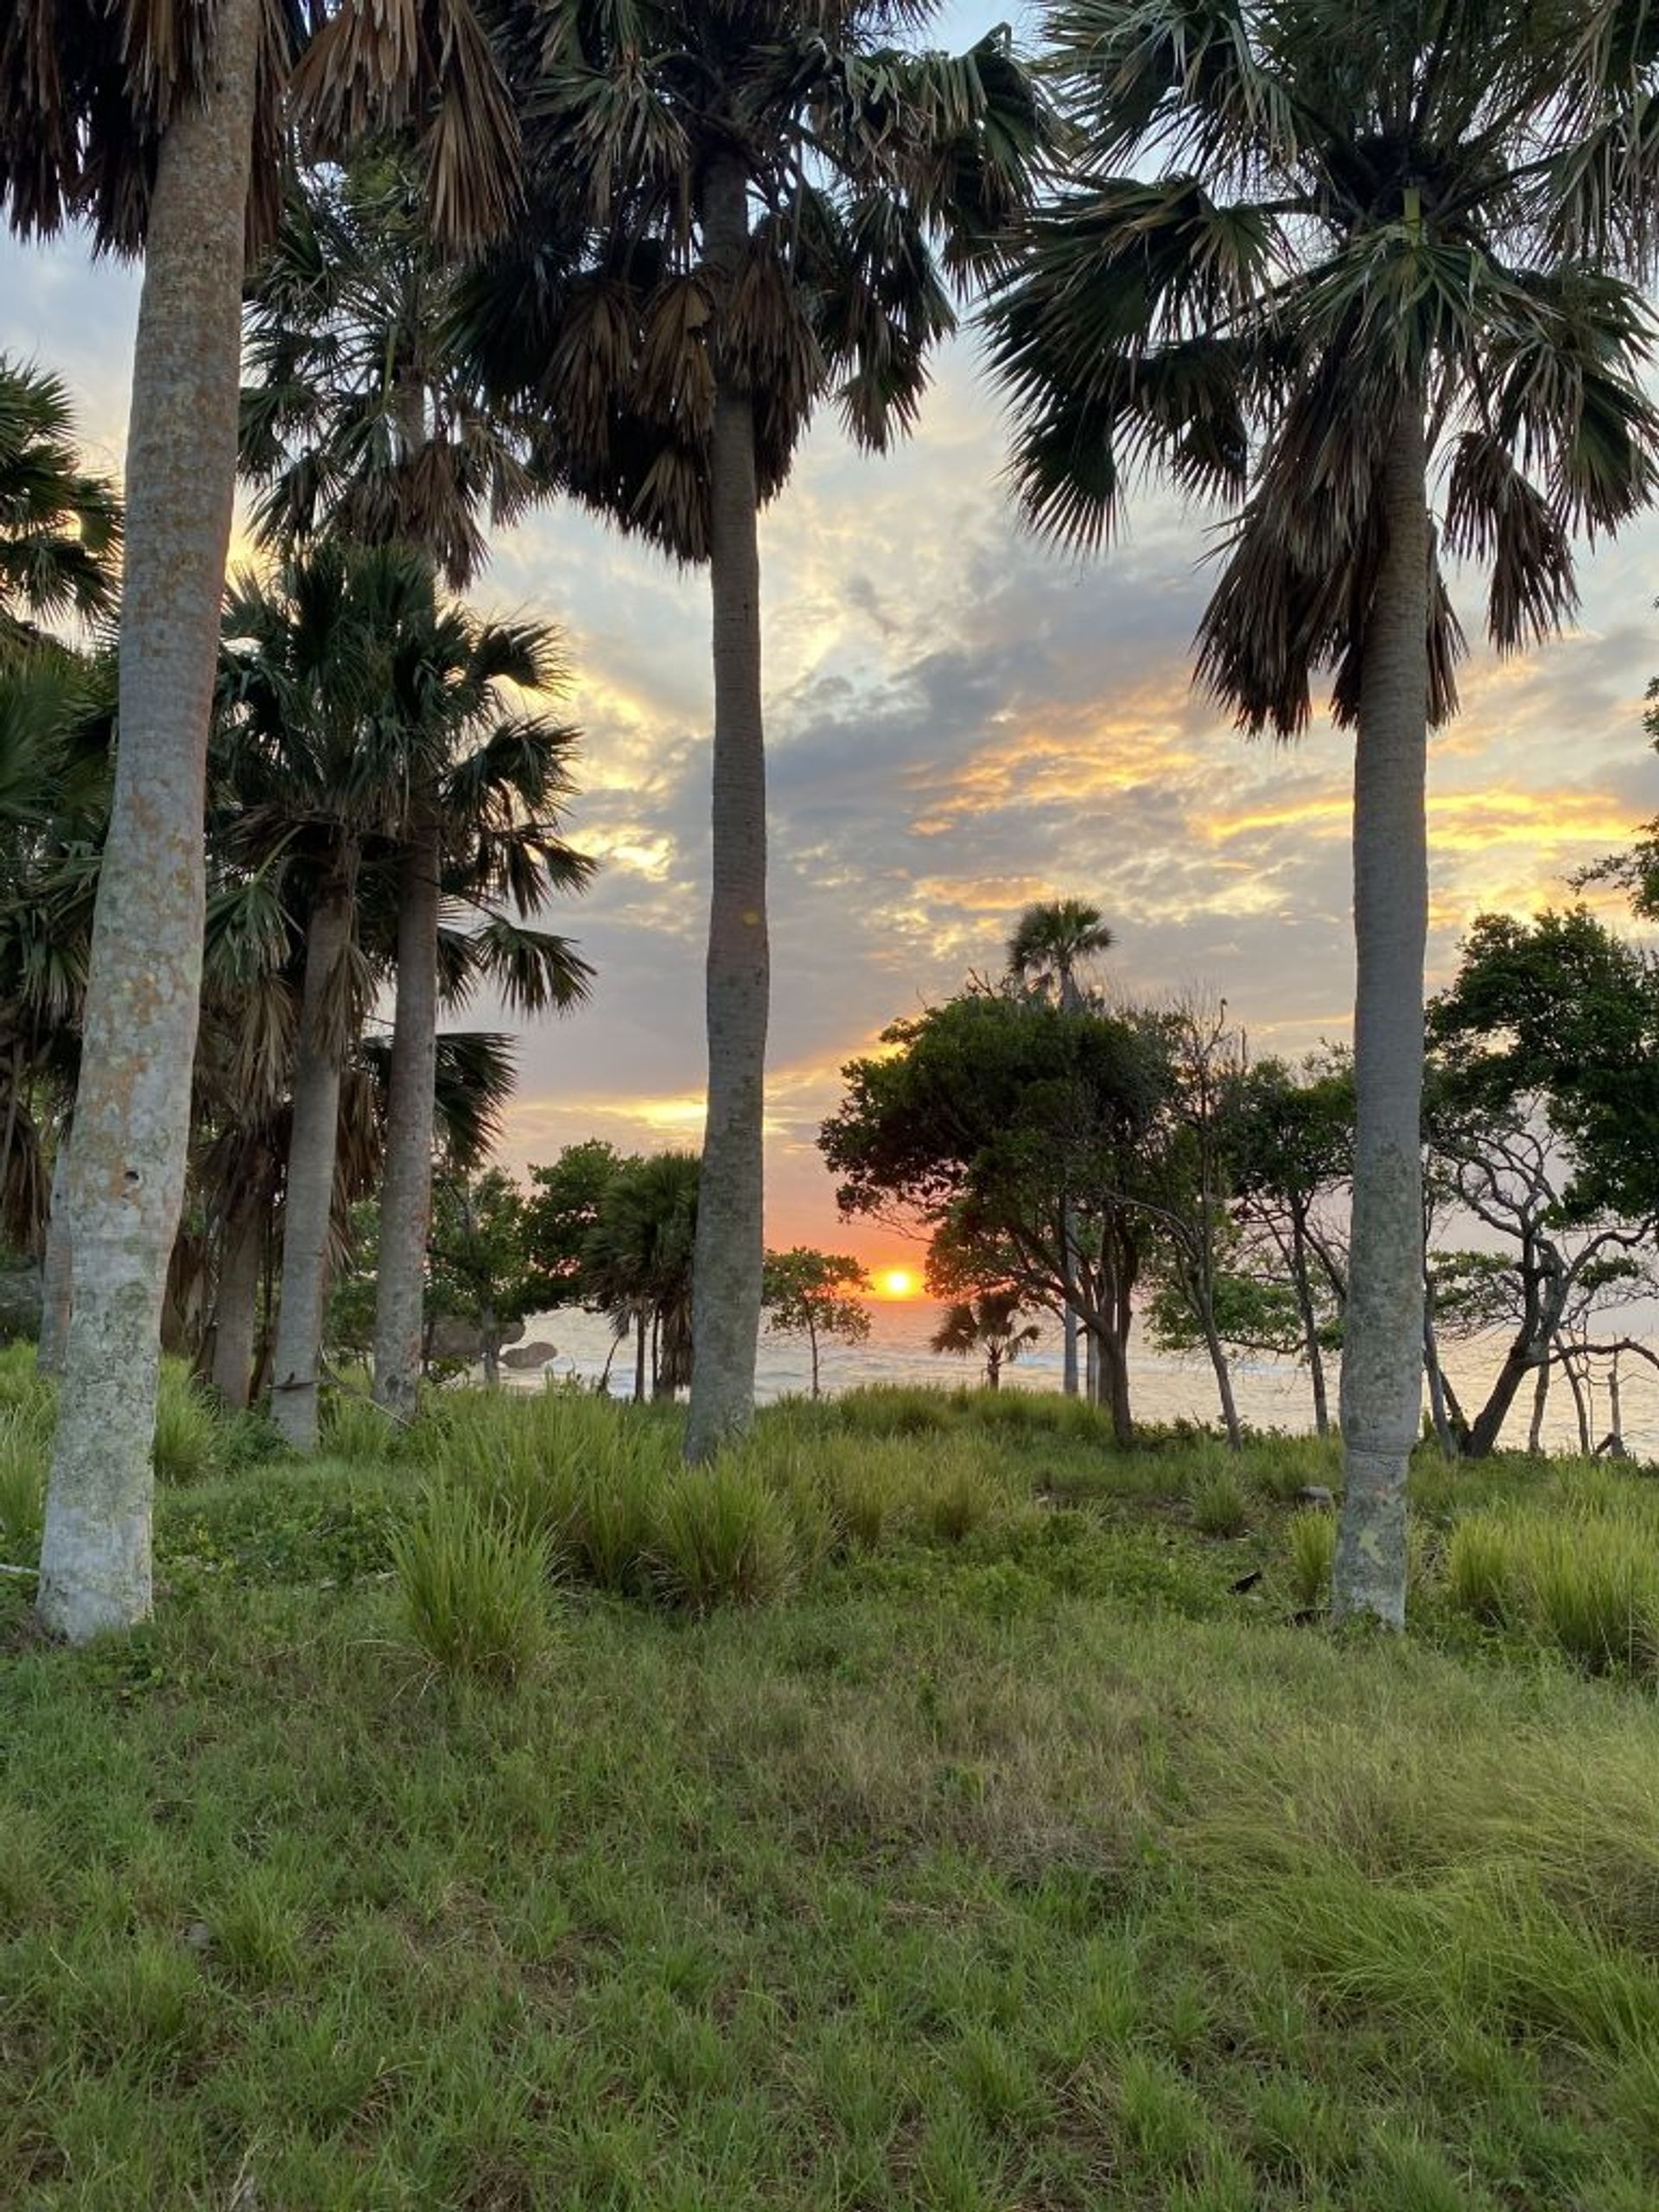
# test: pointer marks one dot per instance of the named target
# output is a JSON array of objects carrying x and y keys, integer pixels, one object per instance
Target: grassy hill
[{"x": 933, "y": 1809}]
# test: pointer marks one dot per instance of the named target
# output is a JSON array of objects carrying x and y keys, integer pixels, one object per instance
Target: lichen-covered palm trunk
[
  {"x": 1382, "y": 1336},
  {"x": 142, "y": 1000},
  {"x": 730, "y": 1241},
  {"x": 406, "y": 1194}
]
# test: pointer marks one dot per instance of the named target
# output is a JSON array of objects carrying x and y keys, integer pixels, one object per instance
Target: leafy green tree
[
  {"x": 480, "y": 1258},
  {"x": 60, "y": 524},
  {"x": 989, "y": 1327},
  {"x": 1562, "y": 1008},
  {"x": 563, "y": 1205},
  {"x": 994, "y": 1122},
  {"x": 1179, "y": 1176},
  {"x": 161, "y": 126},
  {"x": 1542, "y": 1114},
  {"x": 734, "y": 216},
  {"x": 1313, "y": 252},
  {"x": 816, "y": 1295},
  {"x": 1291, "y": 1142}
]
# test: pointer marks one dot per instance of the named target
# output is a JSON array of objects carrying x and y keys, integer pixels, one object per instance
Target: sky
[{"x": 961, "y": 721}]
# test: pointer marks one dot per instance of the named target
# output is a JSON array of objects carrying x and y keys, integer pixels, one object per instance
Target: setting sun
[{"x": 897, "y": 1282}]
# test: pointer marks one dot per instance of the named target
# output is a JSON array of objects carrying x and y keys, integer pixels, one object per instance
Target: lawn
[{"x": 955, "y": 1814}]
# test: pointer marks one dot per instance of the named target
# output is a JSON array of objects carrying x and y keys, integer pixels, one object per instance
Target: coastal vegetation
[
  {"x": 418, "y": 1791},
  {"x": 946, "y": 1811}
]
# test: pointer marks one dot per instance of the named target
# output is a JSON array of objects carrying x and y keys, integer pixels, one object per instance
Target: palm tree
[
  {"x": 160, "y": 125},
  {"x": 1048, "y": 942},
  {"x": 636, "y": 1265},
  {"x": 59, "y": 527},
  {"x": 1051, "y": 941},
  {"x": 988, "y": 1325},
  {"x": 1318, "y": 254},
  {"x": 482, "y": 848},
  {"x": 733, "y": 216},
  {"x": 56, "y": 707},
  {"x": 359, "y": 423},
  {"x": 352, "y": 700}
]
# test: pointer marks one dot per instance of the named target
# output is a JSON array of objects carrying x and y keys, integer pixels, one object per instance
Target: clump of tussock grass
[
  {"x": 473, "y": 1588},
  {"x": 25, "y": 1447},
  {"x": 1034, "y": 1413},
  {"x": 1311, "y": 1539},
  {"x": 959, "y": 1498},
  {"x": 1583, "y": 1577},
  {"x": 353, "y": 1427},
  {"x": 1594, "y": 1591},
  {"x": 189, "y": 1445},
  {"x": 578, "y": 1471},
  {"x": 1282, "y": 1467},
  {"x": 720, "y": 1535},
  {"x": 1220, "y": 1506},
  {"x": 20, "y": 1379},
  {"x": 1483, "y": 1569},
  {"x": 890, "y": 1412}
]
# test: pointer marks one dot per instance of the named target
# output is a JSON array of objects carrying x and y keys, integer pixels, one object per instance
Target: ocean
[{"x": 1270, "y": 1394}]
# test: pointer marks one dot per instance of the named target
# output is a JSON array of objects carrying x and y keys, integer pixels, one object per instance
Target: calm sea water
[{"x": 1271, "y": 1394}]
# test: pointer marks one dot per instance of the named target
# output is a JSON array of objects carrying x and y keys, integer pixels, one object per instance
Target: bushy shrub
[
  {"x": 1219, "y": 1505},
  {"x": 474, "y": 1588},
  {"x": 189, "y": 1445},
  {"x": 1312, "y": 1540},
  {"x": 721, "y": 1537}
]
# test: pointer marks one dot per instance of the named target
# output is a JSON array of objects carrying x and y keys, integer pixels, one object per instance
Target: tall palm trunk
[
  {"x": 237, "y": 1312},
  {"x": 308, "y": 1211},
  {"x": 133, "y": 1112},
  {"x": 406, "y": 1192},
  {"x": 57, "y": 1282},
  {"x": 1382, "y": 1365},
  {"x": 730, "y": 1241}
]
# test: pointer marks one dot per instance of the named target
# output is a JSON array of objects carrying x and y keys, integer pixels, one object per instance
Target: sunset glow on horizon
[{"x": 896, "y": 1282}]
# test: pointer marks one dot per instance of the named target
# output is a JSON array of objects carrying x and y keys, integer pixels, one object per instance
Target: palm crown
[
  {"x": 1297, "y": 216},
  {"x": 60, "y": 524},
  {"x": 868, "y": 175},
  {"x": 1051, "y": 939},
  {"x": 357, "y": 420}
]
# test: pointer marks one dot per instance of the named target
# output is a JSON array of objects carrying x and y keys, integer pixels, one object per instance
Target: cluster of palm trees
[
  {"x": 1311, "y": 261},
  {"x": 382, "y": 815}
]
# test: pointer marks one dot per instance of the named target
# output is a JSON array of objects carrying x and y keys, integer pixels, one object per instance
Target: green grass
[
  {"x": 473, "y": 1589},
  {"x": 910, "y": 1816}
]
